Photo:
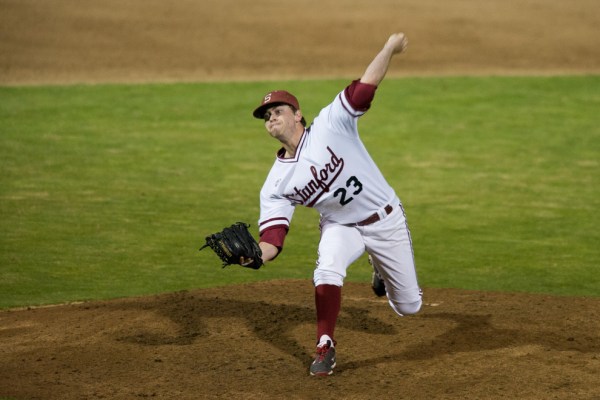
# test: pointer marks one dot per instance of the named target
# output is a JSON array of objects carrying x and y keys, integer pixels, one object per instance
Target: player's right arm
[
  {"x": 357, "y": 96},
  {"x": 377, "y": 69}
]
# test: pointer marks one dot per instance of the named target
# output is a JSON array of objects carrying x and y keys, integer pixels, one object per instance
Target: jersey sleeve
[
  {"x": 274, "y": 212},
  {"x": 351, "y": 103},
  {"x": 274, "y": 221}
]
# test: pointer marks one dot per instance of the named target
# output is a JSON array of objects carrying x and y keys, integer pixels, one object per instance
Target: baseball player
[{"x": 327, "y": 167}]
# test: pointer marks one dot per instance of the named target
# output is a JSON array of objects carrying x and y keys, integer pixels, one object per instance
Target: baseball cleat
[
  {"x": 324, "y": 361},
  {"x": 377, "y": 283}
]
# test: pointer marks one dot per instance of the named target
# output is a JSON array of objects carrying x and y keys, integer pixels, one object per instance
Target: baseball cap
[{"x": 273, "y": 98}]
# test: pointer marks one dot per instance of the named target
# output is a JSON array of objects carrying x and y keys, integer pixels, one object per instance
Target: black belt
[{"x": 373, "y": 218}]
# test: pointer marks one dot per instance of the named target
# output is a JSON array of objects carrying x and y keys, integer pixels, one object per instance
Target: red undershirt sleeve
[
  {"x": 274, "y": 235},
  {"x": 360, "y": 95}
]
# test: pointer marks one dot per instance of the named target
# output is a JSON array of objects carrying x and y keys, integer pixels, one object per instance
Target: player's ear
[{"x": 298, "y": 116}]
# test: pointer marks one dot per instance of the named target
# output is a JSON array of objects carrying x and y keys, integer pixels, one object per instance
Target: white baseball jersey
[{"x": 331, "y": 171}]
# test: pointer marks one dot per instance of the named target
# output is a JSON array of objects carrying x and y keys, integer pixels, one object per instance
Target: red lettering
[{"x": 322, "y": 179}]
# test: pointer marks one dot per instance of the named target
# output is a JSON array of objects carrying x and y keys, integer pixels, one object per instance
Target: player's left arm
[
  {"x": 270, "y": 245},
  {"x": 269, "y": 251},
  {"x": 377, "y": 69}
]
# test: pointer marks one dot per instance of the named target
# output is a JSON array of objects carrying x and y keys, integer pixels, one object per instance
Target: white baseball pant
[{"x": 389, "y": 244}]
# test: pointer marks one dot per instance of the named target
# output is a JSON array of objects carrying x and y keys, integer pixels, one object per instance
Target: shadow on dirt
[
  {"x": 474, "y": 333},
  {"x": 271, "y": 323},
  {"x": 274, "y": 323}
]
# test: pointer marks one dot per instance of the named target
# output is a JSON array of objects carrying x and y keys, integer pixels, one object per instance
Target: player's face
[{"x": 280, "y": 121}]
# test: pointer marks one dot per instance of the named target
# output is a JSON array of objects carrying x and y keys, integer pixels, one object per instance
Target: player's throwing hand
[{"x": 398, "y": 42}]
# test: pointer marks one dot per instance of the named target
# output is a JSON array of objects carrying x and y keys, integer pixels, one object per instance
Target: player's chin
[{"x": 274, "y": 132}]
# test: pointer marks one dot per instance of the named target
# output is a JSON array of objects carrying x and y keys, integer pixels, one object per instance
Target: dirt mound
[{"x": 256, "y": 341}]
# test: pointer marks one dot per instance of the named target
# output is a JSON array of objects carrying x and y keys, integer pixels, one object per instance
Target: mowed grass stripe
[{"x": 108, "y": 190}]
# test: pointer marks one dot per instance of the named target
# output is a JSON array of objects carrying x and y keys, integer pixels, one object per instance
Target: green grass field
[{"x": 108, "y": 190}]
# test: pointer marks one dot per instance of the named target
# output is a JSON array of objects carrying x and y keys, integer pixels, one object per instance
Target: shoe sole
[{"x": 323, "y": 373}]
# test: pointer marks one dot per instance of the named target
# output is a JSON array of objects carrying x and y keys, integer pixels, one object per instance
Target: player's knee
[{"x": 403, "y": 309}]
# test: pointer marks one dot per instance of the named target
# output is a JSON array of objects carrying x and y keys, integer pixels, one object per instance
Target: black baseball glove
[{"x": 235, "y": 245}]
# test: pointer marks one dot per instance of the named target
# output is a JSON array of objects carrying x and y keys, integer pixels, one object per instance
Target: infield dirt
[{"x": 255, "y": 341}]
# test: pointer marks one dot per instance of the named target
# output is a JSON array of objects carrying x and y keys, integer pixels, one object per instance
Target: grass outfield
[{"x": 107, "y": 191}]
